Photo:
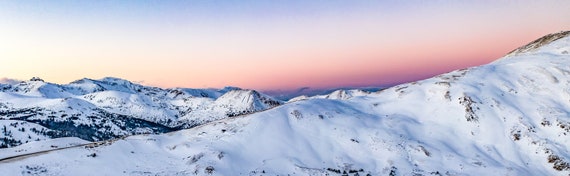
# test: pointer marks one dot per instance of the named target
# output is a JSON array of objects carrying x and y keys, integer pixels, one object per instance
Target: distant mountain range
[
  {"x": 108, "y": 108},
  {"x": 287, "y": 95},
  {"x": 509, "y": 117}
]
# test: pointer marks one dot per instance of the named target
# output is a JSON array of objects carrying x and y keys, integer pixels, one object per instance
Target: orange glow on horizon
[{"x": 265, "y": 46}]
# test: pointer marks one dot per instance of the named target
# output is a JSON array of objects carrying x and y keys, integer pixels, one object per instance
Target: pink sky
[{"x": 263, "y": 45}]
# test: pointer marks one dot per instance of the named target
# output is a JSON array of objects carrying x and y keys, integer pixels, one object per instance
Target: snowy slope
[
  {"x": 111, "y": 107},
  {"x": 510, "y": 117},
  {"x": 14, "y": 132}
]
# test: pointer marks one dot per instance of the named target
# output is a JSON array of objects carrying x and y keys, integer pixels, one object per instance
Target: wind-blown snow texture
[
  {"x": 510, "y": 117},
  {"x": 108, "y": 108}
]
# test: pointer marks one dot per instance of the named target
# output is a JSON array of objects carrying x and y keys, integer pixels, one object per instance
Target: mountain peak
[
  {"x": 115, "y": 80},
  {"x": 538, "y": 43},
  {"x": 37, "y": 79},
  {"x": 228, "y": 89}
]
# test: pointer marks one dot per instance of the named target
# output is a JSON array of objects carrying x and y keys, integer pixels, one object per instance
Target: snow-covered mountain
[
  {"x": 509, "y": 117},
  {"x": 340, "y": 94},
  {"x": 111, "y": 107},
  {"x": 305, "y": 92}
]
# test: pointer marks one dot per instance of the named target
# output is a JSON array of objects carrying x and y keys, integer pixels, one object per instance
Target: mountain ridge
[
  {"x": 536, "y": 44},
  {"x": 508, "y": 117}
]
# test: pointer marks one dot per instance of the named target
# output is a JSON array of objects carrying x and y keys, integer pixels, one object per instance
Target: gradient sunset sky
[{"x": 265, "y": 45}]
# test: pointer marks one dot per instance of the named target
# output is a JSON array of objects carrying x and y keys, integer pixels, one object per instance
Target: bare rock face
[
  {"x": 37, "y": 79},
  {"x": 534, "y": 45}
]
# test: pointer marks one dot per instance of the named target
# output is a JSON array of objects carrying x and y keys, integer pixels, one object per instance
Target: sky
[{"x": 265, "y": 45}]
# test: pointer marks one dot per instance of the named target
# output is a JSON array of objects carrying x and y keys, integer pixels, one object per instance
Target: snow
[
  {"x": 510, "y": 117},
  {"x": 21, "y": 132},
  {"x": 38, "y": 146}
]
